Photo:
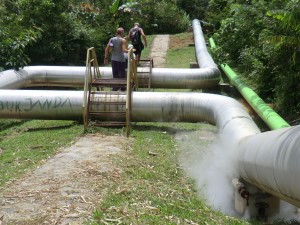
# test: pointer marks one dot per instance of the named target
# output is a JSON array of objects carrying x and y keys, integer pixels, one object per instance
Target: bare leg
[{"x": 138, "y": 58}]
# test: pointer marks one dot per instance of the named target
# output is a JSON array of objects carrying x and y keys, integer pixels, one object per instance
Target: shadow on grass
[
  {"x": 49, "y": 128},
  {"x": 6, "y": 124},
  {"x": 172, "y": 128}
]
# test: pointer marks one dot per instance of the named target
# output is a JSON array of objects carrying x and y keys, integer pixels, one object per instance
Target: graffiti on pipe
[{"x": 32, "y": 104}]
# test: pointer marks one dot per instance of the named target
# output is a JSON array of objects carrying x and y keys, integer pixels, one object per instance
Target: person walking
[
  {"x": 117, "y": 46},
  {"x": 135, "y": 34}
]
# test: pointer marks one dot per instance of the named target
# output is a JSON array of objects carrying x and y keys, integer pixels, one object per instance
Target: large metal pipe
[
  {"x": 270, "y": 161},
  {"x": 32, "y": 76},
  {"x": 225, "y": 112},
  {"x": 208, "y": 75},
  {"x": 28, "y": 104}
]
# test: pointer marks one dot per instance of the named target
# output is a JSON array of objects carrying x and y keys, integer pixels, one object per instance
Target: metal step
[
  {"x": 107, "y": 103},
  {"x": 112, "y": 113},
  {"x": 109, "y": 82},
  {"x": 109, "y": 123}
]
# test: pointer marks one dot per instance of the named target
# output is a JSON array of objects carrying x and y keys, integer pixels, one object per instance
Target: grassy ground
[
  {"x": 153, "y": 189},
  {"x": 182, "y": 51},
  {"x": 24, "y": 144},
  {"x": 146, "y": 52}
]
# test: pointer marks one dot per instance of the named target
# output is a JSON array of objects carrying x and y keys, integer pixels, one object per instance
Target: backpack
[{"x": 135, "y": 36}]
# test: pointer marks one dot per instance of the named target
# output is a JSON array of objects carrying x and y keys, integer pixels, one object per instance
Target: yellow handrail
[
  {"x": 91, "y": 62},
  {"x": 131, "y": 78}
]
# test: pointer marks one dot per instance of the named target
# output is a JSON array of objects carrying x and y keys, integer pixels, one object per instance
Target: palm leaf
[{"x": 114, "y": 7}]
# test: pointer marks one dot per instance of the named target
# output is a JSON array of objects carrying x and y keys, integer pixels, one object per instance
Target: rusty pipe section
[{"x": 208, "y": 75}]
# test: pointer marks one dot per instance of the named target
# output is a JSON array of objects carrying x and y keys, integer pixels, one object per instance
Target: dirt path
[
  {"x": 65, "y": 189},
  {"x": 159, "y": 50}
]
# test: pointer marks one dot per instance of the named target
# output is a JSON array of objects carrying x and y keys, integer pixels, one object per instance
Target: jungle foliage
[
  {"x": 259, "y": 38},
  {"x": 58, "y": 32}
]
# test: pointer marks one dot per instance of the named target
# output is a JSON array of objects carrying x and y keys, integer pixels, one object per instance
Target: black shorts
[{"x": 138, "y": 48}]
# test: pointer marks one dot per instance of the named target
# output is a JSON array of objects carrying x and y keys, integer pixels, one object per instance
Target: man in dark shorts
[
  {"x": 117, "y": 47},
  {"x": 137, "y": 41}
]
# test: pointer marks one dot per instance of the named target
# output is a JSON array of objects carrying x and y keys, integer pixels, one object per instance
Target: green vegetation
[
  {"x": 180, "y": 54},
  {"x": 153, "y": 189},
  {"x": 52, "y": 32},
  {"x": 260, "y": 39},
  {"x": 186, "y": 56}
]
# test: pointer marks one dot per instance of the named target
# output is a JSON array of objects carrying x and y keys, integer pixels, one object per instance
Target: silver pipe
[
  {"x": 157, "y": 106},
  {"x": 204, "y": 59},
  {"x": 194, "y": 107},
  {"x": 185, "y": 78},
  {"x": 208, "y": 75},
  {"x": 28, "y": 104},
  {"x": 270, "y": 161},
  {"x": 32, "y": 76},
  {"x": 67, "y": 76}
]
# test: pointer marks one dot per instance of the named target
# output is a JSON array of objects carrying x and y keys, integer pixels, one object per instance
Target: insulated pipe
[
  {"x": 223, "y": 111},
  {"x": 226, "y": 113},
  {"x": 204, "y": 59},
  {"x": 34, "y": 76},
  {"x": 28, "y": 104},
  {"x": 208, "y": 75},
  {"x": 270, "y": 161},
  {"x": 266, "y": 113},
  {"x": 67, "y": 76}
]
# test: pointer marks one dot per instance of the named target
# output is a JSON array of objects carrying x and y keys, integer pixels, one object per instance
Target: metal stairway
[{"x": 102, "y": 106}]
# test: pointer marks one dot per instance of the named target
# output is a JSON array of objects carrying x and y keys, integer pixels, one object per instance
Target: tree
[
  {"x": 194, "y": 8},
  {"x": 286, "y": 39},
  {"x": 262, "y": 39},
  {"x": 15, "y": 37}
]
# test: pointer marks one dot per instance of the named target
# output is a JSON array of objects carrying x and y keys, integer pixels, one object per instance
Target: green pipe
[
  {"x": 212, "y": 43},
  {"x": 266, "y": 113}
]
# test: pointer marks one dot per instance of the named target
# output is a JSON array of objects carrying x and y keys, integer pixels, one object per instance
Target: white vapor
[{"x": 210, "y": 160}]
